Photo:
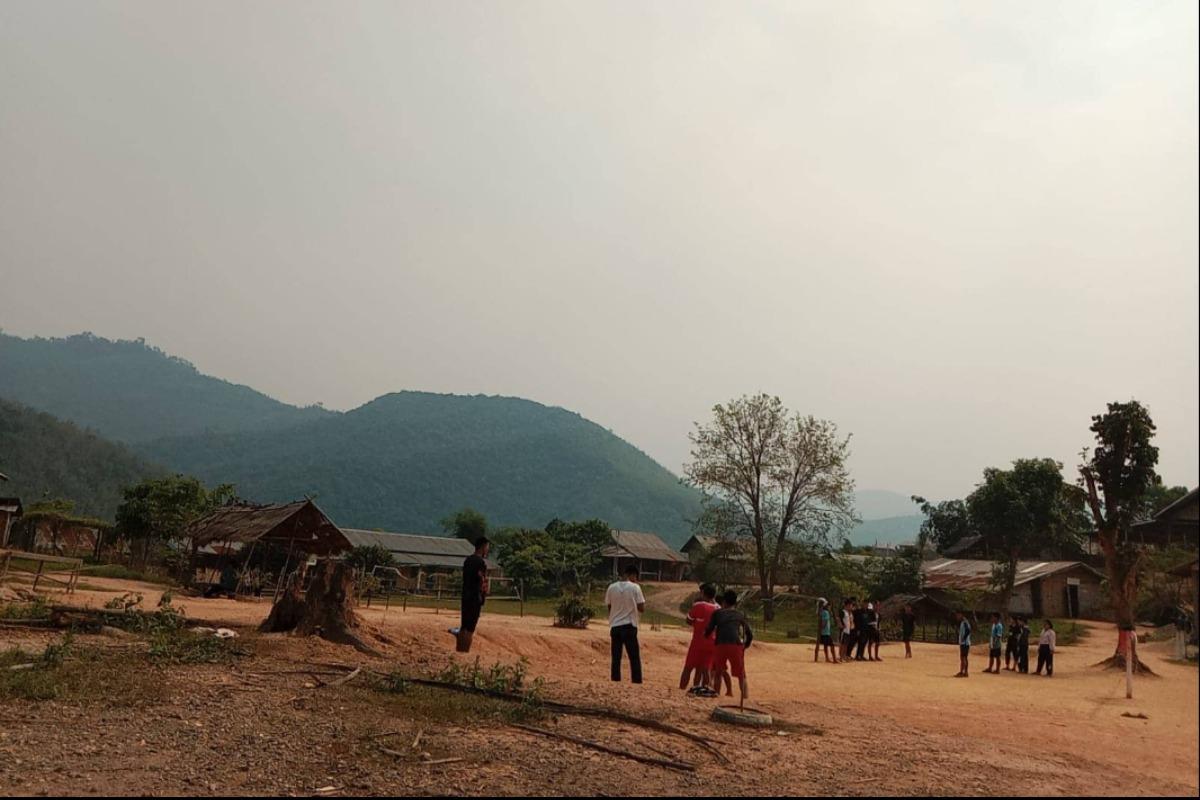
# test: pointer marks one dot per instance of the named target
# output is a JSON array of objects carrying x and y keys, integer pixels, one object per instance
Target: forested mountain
[
  {"x": 130, "y": 392},
  {"x": 405, "y": 461},
  {"x": 44, "y": 456}
]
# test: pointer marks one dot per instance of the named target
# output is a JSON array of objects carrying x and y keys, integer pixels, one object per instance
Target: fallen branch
[
  {"x": 658, "y": 762},
  {"x": 346, "y": 678},
  {"x": 583, "y": 711}
]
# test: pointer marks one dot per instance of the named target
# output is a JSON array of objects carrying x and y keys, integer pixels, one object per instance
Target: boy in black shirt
[
  {"x": 474, "y": 592},
  {"x": 733, "y": 639}
]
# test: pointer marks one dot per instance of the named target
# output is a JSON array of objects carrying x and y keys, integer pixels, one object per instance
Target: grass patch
[
  {"x": 447, "y": 705},
  {"x": 122, "y": 572},
  {"x": 35, "y": 609},
  {"x": 1067, "y": 632},
  {"x": 64, "y": 671}
]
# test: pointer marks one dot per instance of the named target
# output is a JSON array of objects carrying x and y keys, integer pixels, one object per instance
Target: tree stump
[{"x": 327, "y": 610}]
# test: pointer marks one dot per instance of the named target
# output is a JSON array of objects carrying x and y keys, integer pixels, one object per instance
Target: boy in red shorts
[
  {"x": 700, "y": 651},
  {"x": 733, "y": 636}
]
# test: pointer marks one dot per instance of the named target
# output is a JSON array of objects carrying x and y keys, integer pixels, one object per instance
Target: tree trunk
[
  {"x": 1122, "y": 589},
  {"x": 326, "y": 611}
]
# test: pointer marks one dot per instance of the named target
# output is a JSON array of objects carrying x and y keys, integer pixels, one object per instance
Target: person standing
[
  {"x": 995, "y": 640},
  {"x": 1047, "y": 642},
  {"x": 1023, "y": 648},
  {"x": 1010, "y": 648},
  {"x": 964, "y": 643},
  {"x": 847, "y": 628},
  {"x": 874, "y": 636},
  {"x": 700, "y": 652},
  {"x": 733, "y": 639},
  {"x": 861, "y": 637},
  {"x": 825, "y": 632},
  {"x": 474, "y": 593},
  {"x": 625, "y": 602},
  {"x": 908, "y": 624}
]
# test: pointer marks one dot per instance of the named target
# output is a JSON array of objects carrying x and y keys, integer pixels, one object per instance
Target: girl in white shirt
[{"x": 1046, "y": 645}]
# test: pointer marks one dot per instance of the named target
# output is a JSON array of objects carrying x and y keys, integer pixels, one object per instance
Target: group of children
[
  {"x": 720, "y": 637},
  {"x": 858, "y": 632},
  {"x": 1016, "y": 651}
]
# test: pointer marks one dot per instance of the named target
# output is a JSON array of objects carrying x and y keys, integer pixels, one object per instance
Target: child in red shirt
[{"x": 700, "y": 651}]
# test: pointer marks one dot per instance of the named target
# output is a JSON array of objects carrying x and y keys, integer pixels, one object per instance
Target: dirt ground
[{"x": 900, "y": 727}]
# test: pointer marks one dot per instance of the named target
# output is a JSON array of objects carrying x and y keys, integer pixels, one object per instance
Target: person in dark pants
[
  {"x": 908, "y": 624},
  {"x": 860, "y": 628},
  {"x": 474, "y": 592},
  {"x": 1047, "y": 643},
  {"x": 1010, "y": 649},
  {"x": 1023, "y": 647},
  {"x": 625, "y": 603}
]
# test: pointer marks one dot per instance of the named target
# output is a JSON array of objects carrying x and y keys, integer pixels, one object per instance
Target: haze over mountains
[{"x": 400, "y": 462}]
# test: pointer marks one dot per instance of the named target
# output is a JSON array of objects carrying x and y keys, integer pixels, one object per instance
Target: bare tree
[{"x": 776, "y": 476}]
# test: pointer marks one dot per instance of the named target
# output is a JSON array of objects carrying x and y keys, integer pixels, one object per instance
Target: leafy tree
[
  {"x": 467, "y": 523},
  {"x": 778, "y": 475},
  {"x": 561, "y": 557},
  {"x": 365, "y": 557},
  {"x": 946, "y": 523},
  {"x": 1021, "y": 511},
  {"x": 1159, "y": 497},
  {"x": 1119, "y": 476},
  {"x": 158, "y": 510}
]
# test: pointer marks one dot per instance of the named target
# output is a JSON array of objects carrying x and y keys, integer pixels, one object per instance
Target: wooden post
[
  {"x": 521, "y": 594},
  {"x": 283, "y": 573},
  {"x": 37, "y": 576},
  {"x": 1130, "y": 654},
  {"x": 245, "y": 566}
]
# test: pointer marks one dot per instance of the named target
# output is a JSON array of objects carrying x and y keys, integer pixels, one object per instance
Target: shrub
[{"x": 573, "y": 612}]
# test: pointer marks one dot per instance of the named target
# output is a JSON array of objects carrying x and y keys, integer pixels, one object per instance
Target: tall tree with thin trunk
[
  {"x": 777, "y": 475},
  {"x": 1118, "y": 475}
]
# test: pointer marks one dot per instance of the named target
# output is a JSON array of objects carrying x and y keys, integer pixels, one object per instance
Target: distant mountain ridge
[
  {"x": 403, "y": 461},
  {"x": 406, "y": 460},
  {"x": 46, "y": 457},
  {"x": 130, "y": 392}
]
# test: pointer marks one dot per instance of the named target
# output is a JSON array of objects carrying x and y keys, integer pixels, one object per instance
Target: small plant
[
  {"x": 35, "y": 609},
  {"x": 500, "y": 677},
  {"x": 125, "y": 602},
  {"x": 572, "y": 612},
  {"x": 56, "y": 652}
]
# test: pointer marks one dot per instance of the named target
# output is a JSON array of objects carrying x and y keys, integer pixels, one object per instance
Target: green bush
[{"x": 573, "y": 612}]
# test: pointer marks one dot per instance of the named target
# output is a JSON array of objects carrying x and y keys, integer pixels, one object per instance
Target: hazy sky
[{"x": 956, "y": 229}]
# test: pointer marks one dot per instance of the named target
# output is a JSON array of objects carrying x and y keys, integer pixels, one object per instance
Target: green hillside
[
  {"x": 130, "y": 392},
  {"x": 404, "y": 461},
  {"x": 889, "y": 530},
  {"x": 45, "y": 456}
]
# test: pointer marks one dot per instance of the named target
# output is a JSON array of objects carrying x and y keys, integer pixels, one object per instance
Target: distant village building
[
  {"x": 10, "y": 510},
  {"x": 1177, "y": 525},
  {"x": 657, "y": 559},
  {"x": 416, "y": 555},
  {"x": 1041, "y": 589}
]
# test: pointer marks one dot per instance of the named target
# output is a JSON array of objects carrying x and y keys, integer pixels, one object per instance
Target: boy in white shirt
[{"x": 625, "y": 602}]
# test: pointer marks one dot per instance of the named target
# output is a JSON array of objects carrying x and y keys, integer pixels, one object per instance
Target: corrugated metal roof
[
  {"x": 646, "y": 546},
  {"x": 410, "y": 549},
  {"x": 970, "y": 573}
]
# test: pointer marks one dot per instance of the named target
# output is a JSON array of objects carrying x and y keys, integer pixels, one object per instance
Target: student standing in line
[
  {"x": 995, "y": 640},
  {"x": 860, "y": 631},
  {"x": 1023, "y": 648},
  {"x": 625, "y": 602},
  {"x": 908, "y": 624},
  {"x": 1047, "y": 642},
  {"x": 1010, "y": 648},
  {"x": 847, "y": 628},
  {"x": 873, "y": 635},
  {"x": 964, "y": 643},
  {"x": 700, "y": 651},
  {"x": 825, "y": 632},
  {"x": 733, "y": 637}
]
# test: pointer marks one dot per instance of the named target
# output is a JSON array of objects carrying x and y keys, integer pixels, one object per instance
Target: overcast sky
[{"x": 956, "y": 229}]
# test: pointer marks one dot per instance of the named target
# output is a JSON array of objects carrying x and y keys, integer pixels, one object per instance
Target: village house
[
  {"x": 419, "y": 558},
  {"x": 655, "y": 557},
  {"x": 1042, "y": 588}
]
